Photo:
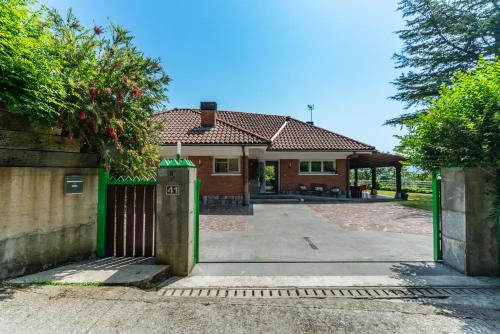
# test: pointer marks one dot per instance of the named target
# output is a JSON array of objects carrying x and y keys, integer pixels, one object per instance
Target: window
[
  {"x": 304, "y": 166},
  {"x": 227, "y": 166},
  {"x": 317, "y": 167}
]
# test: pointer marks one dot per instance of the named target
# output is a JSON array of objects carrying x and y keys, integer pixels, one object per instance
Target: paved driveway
[{"x": 316, "y": 232}]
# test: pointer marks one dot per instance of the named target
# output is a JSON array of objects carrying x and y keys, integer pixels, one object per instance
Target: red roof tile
[
  {"x": 249, "y": 128},
  {"x": 301, "y": 136},
  {"x": 184, "y": 125}
]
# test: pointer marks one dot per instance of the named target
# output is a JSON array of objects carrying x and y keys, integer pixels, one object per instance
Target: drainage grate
[{"x": 363, "y": 293}]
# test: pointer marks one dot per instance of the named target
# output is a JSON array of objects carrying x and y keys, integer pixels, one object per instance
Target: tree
[
  {"x": 442, "y": 37},
  {"x": 102, "y": 90},
  {"x": 462, "y": 126}
]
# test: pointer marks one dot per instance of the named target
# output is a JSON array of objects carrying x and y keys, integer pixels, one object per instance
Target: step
[
  {"x": 274, "y": 200},
  {"x": 127, "y": 271}
]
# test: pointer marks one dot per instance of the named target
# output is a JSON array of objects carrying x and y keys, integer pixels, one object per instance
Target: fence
[{"x": 409, "y": 185}]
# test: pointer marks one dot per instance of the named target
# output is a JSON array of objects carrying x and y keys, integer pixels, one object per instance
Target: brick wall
[
  {"x": 290, "y": 178},
  {"x": 221, "y": 185}
]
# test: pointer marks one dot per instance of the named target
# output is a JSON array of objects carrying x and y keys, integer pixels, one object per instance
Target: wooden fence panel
[{"x": 131, "y": 220}]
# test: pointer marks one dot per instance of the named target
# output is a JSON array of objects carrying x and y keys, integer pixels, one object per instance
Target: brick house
[{"x": 241, "y": 154}]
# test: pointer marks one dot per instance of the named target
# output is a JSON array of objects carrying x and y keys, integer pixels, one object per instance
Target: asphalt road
[{"x": 76, "y": 309}]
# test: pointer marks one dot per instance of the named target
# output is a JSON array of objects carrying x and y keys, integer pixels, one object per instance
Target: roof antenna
[{"x": 311, "y": 108}]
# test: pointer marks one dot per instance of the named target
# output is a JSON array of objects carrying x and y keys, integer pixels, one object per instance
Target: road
[{"x": 80, "y": 309}]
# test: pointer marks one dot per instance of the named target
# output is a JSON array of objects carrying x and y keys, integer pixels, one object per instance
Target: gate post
[
  {"x": 175, "y": 215},
  {"x": 102, "y": 192}
]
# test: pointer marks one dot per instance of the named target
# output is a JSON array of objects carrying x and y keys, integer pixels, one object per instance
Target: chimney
[{"x": 208, "y": 113}]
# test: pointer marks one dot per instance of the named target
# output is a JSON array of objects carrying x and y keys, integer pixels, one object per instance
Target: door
[{"x": 271, "y": 177}]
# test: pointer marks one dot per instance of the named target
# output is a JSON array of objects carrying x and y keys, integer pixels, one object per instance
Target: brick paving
[
  {"x": 222, "y": 219},
  {"x": 386, "y": 217}
]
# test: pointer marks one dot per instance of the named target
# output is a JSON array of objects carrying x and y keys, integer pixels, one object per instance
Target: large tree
[
  {"x": 442, "y": 37},
  {"x": 462, "y": 126}
]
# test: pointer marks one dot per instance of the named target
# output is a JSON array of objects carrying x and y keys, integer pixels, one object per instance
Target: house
[{"x": 241, "y": 154}]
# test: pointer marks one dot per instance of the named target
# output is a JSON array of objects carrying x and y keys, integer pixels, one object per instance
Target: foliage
[
  {"x": 92, "y": 83},
  {"x": 461, "y": 128},
  {"x": 442, "y": 37},
  {"x": 30, "y": 78}
]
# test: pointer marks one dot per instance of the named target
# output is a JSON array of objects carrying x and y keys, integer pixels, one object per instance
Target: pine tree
[{"x": 442, "y": 37}]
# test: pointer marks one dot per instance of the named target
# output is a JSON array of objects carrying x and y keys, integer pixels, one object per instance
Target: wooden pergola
[{"x": 374, "y": 161}]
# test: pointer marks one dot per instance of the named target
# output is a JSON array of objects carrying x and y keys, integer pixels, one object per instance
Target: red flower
[
  {"x": 97, "y": 30},
  {"x": 93, "y": 93},
  {"x": 108, "y": 90},
  {"x": 136, "y": 92},
  {"x": 120, "y": 97},
  {"x": 70, "y": 138},
  {"x": 83, "y": 116},
  {"x": 60, "y": 120}
]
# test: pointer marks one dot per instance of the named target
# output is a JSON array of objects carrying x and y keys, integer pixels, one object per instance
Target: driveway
[{"x": 316, "y": 232}]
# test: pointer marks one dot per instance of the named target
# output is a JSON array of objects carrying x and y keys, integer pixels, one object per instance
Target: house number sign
[{"x": 172, "y": 190}]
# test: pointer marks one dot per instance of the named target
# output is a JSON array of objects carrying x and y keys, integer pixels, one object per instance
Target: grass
[
  {"x": 415, "y": 200},
  {"x": 57, "y": 282}
]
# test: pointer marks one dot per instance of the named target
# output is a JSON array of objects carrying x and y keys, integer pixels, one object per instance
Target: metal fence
[{"x": 406, "y": 184}]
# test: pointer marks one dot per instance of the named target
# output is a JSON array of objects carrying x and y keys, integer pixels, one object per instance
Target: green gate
[
  {"x": 436, "y": 214},
  {"x": 126, "y": 216}
]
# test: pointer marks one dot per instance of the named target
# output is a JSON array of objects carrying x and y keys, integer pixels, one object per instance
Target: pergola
[{"x": 374, "y": 161}]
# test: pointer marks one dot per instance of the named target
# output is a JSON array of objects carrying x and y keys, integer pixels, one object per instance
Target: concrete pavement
[
  {"x": 302, "y": 233},
  {"x": 75, "y": 309}
]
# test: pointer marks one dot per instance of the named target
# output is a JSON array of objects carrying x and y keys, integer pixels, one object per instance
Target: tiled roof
[
  {"x": 301, "y": 136},
  {"x": 262, "y": 124},
  {"x": 184, "y": 125},
  {"x": 280, "y": 133}
]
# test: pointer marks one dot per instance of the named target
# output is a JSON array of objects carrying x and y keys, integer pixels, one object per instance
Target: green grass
[
  {"x": 57, "y": 282},
  {"x": 415, "y": 200}
]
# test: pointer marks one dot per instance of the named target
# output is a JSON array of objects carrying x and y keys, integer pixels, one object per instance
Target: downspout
[{"x": 244, "y": 173}]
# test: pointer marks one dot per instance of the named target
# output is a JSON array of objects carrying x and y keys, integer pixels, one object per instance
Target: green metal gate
[
  {"x": 137, "y": 217},
  {"x": 436, "y": 214}
]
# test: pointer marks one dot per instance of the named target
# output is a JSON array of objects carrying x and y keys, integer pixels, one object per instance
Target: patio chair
[
  {"x": 318, "y": 188},
  {"x": 335, "y": 191},
  {"x": 302, "y": 189}
]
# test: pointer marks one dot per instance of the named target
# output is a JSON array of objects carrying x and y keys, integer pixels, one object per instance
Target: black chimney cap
[{"x": 208, "y": 105}]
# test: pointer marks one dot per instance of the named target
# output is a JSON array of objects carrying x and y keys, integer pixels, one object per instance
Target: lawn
[{"x": 415, "y": 200}]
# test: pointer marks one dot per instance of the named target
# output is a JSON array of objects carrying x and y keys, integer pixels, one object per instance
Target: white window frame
[
  {"x": 322, "y": 167},
  {"x": 214, "y": 173}
]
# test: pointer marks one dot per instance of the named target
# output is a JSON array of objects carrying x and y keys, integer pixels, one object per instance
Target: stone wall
[
  {"x": 469, "y": 226},
  {"x": 40, "y": 226}
]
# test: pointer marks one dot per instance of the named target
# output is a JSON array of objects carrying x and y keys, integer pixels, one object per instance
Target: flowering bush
[{"x": 93, "y": 83}]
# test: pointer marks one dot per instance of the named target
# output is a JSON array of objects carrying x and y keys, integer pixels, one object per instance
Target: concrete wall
[
  {"x": 469, "y": 227},
  {"x": 40, "y": 226}
]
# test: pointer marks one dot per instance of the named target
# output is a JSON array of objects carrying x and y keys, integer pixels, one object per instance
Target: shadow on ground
[
  {"x": 5, "y": 293},
  {"x": 235, "y": 210},
  {"x": 468, "y": 310}
]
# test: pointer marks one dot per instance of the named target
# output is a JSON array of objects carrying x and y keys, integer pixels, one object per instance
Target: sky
[{"x": 271, "y": 56}]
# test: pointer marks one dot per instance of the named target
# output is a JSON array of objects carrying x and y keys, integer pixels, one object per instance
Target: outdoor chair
[
  {"x": 318, "y": 188},
  {"x": 302, "y": 188},
  {"x": 335, "y": 191}
]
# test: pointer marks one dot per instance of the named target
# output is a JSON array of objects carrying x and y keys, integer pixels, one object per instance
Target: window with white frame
[
  {"x": 226, "y": 165},
  {"x": 317, "y": 167}
]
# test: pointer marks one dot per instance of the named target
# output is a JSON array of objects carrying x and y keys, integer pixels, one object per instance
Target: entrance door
[{"x": 271, "y": 177}]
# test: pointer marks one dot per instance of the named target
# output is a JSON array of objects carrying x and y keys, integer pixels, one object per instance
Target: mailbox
[{"x": 73, "y": 184}]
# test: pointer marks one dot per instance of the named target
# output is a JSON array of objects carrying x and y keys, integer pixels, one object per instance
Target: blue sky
[{"x": 271, "y": 56}]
